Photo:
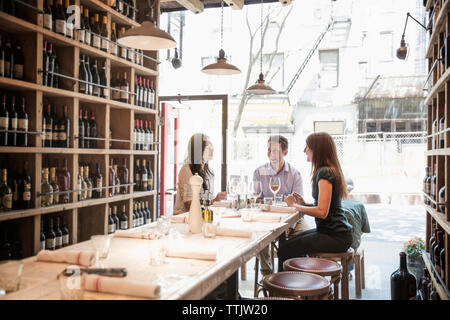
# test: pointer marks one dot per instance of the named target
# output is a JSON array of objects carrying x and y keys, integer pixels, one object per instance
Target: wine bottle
[
  {"x": 442, "y": 134},
  {"x": 60, "y": 18},
  {"x": 13, "y": 182},
  {"x": 104, "y": 91},
  {"x": 96, "y": 80},
  {"x": 112, "y": 179},
  {"x": 145, "y": 94},
  {"x": 142, "y": 136},
  {"x": 50, "y": 236},
  {"x": 83, "y": 83},
  {"x": 58, "y": 234},
  {"x": 89, "y": 184},
  {"x": 151, "y": 136},
  {"x": 50, "y": 65},
  {"x": 442, "y": 200},
  {"x": 144, "y": 176},
  {"x": 123, "y": 51},
  {"x": 55, "y": 129},
  {"x": 46, "y": 190},
  {"x": 64, "y": 183},
  {"x": 69, "y": 23},
  {"x": 117, "y": 183},
  {"x": 135, "y": 217},
  {"x": 96, "y": 40},
  {"x": 55, "y": 186},
  {"x": 125, "y": 88},
  {"x": 6, "y": 196},
  {"x": 116, "y": 84},
  {"x": 12, "y": 127},
  {"x": 111, "y": 223},
  {"x": 25, "y": 188},
  {"x": 48, "y": 18},
  {"x": 4, "y": 123},
  {"x": 9, "y": 59},
  {"x": 87, "y": 130},
  {"x": 98, "y": 181},
  {"x": 19, "y": 62},
  {"x": 113, "y": 49},
  {"x": 87, "y": 28},
  {"x": 123, "y": 176},
  {"x": 433, "y": 188},
  {"x": 105, "y": 35},
  {"x": 2, "y": 57},
  {"x": 88, "y": 76},
  {"x": 80, "y": 130},
  {"x": 93, "y": 131},
  {"x": 136, "y": 132},
  {"x": 116, "y": 218},
  {"x": 136, "y": 91},
  {"x": 42, "y": 237},
  {"x": 152, "y": 96},
  {"x": 22, "y": 126},
  {"x": 80, "y": 185},
  {"x": 403, "y": 283},
  {"x": 45, "y": 64},
  {"x": 149, "y": 178},
  {"x": 55, "y": 69},
  {"x": 443, "y": 261},
  {"x": 149, "y": 214},
  {"x": 64, "y": 129},
  {"x": 437, "y": 248},
  {"x": 123, "y": 218},
  {"x": 81, "y": 34},
  {"x": 47, "y": 127},
  {"x": 426, "y": 185},
  {"x": 137, "y": 176},
  {"x": 65, "y": 233}
]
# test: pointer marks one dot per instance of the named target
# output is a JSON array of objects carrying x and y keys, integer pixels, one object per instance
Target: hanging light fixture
[
  {"x": 403, "y": 51},
  {"x": 260, "y": 87},
  {"x": 148, "y": 36},
  {"x": 221, "y": 67}
]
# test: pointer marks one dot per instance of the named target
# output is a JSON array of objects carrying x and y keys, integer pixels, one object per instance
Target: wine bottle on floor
[{"x": 403, "y": 283}]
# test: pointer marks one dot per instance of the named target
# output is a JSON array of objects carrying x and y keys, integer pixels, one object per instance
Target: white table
[{"x": 179, "y": 278}]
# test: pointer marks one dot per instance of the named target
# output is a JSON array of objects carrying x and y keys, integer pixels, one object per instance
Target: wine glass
[
  {"x": 255, "y": 190},
  {"x": 275, "y": 186},
  {"x": 233, "y": 190}
]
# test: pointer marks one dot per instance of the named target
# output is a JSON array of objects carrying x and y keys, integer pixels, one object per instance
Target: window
[
  {"x": 387, "y": 43},
  {"x": 329, "y": 71}
]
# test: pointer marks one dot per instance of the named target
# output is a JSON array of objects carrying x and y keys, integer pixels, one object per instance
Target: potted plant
[{"x": 414, "y": 261}]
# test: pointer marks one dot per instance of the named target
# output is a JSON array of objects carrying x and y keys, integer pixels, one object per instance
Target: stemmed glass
[
  {"x": 255, "y": 190},
  {"x": 233, "y": 190},
  {"x": 275, "y": 186}
]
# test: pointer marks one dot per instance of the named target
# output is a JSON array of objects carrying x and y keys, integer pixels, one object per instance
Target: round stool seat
[
  {"x": 291, "y": 283},
  {"x": 318, "y": 266}
]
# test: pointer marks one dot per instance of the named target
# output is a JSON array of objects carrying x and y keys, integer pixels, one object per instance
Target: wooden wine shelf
[
  {"x": 97, "y": 5},
  {"x": 438, "y": 87},
  {"x": 437, "y": 28},
  {"x": 437, "y": 282},
  {"x": 438, "y": 152},
  {"x": 35, "y": 150},
  {"x": 16, "y": 214},
  {"x": 439, "y": 217}
]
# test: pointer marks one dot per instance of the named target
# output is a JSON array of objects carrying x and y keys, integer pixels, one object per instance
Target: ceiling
[{"x": 171, "y": 5}]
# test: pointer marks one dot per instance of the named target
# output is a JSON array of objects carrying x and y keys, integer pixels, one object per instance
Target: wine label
[
  {"x": 96, "y": 91},
  {"x": 58, "y": 242},
  {"x": 7, "y": 69},
  {"x": 137, "y": 178},
  {"x": 62, "y": 136},
  {"x": 120, "y": 6},
  {"x": 144, "y": 180},
  {"x": 4, "y": 122},
  {"x": 82, "y": 86},
  {"x": 7, "y": 201},
  {"x": 26, "y": 196},
  {"x": 42, "y": 245},
  {"x": 116, "y": 94},
  {"x": 69, "y": 29},
  {"x": 81, "y": 35},
  {"x": 98, "y": 184},
  {"x": 48, "y": 135},
  {"x": 123, "y": 53},
  {"x": 96, "y": 41},
  {"x": 124, "y": 95},
  {"x": 113, "y": 49},
  {"x": 48, "y": 21},
  {"x": 87, "y": 37},
  {"x": 61, "y": 26},
  {"x": 131, "y": 55},
  {"x": 13, "y": 123},
  {"x": 50, "y": 244},
  {"x": 105, "y": 45},
  {"x": 23, "y": 124},
  {"x": 16, "y": 195},
  {"x": 50, "y": 198},
  {"x": 65, "y": 240},
  {"x": 124, "y": 225},
  {"x": 2, "y": 67},
  {"x": 18, "y": 71},
  {"x": 105, "y": 93},
  {"x": 55, "y": 134},
  {"x": 111, "y": 228}
]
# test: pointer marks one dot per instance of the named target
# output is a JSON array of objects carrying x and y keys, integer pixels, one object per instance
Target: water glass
[
  {"x": 279, "y": 200},
  {"x": 157, "y": 253},
  {"x": 10, "y": 276},
  {"x": 71, "y": 286},
  {"x": 268, "y": 200},
  {"x": 163, "y": 225},
  {"x": 101, "y": 244}
]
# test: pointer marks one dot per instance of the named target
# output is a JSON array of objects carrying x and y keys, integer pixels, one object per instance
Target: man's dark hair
[{"x": 279, "y": 139}]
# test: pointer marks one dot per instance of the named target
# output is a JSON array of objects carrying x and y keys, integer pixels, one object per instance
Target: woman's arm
[{"x": 323, "y": 204}]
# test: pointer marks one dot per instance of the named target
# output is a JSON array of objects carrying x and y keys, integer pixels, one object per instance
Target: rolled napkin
[
  {"x": 181, "y": 218},
  {"x": 222, "y": 203},
  {"x": 122, "y": 286},
  {"x": 230, "y": 232},
  {"x": 260, "y": 217},
  {"x": 144, "y": 234},
  {"x": 83, "y": 258},
  {"x": 191, "y": 253},
  {"x": 278, "y": 209}
]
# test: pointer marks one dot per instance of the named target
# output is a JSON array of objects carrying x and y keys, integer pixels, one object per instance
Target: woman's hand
[
  {"x": 290, "y": 200},
  {"x": 299, "y": 199},
  {"x": 221, "y": 196}
]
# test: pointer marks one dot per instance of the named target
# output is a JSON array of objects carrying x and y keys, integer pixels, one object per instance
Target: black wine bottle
[
  {"x": 22, "y": 126},
  {"x": 25, "y": 188},
  {"x": 12, "y": 135},
  {"x": 4, "y": 123},
  {"x": 50, "y": 236},
  {"x": 403, "y": 283}
]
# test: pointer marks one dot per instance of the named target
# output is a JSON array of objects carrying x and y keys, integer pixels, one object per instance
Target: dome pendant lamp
[
  {"x": 148, "y": 36},
  {"x": 260, "y": 87},
  {"x": 221, "y": 67}
]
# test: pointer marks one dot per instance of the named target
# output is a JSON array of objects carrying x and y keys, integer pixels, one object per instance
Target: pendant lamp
[
  {"x": 148, "y": 36},
  {"x": 260, "y": 87},
  {"x": 221, "y": 67}
]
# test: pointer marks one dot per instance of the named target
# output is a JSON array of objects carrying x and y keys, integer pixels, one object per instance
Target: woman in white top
[{"x": 200, "y": 151}]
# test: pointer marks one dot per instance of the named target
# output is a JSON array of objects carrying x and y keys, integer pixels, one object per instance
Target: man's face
[{"x": 275, "y": 154}]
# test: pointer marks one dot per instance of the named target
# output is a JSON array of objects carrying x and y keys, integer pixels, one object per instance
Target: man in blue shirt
[{"x": 290, "y": 179}]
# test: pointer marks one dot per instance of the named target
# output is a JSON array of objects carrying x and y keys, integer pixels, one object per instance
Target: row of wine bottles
[
  {"x": 50, "y": 66},
  {"x": 141, "y": 216},
  {"x": 55, "y": 128},
  {"x": 426, "y": 290},
  {"x": 125, "y": 7},
  {"x": 144, "y": 92},
  {"x": 430, "y": 188},
  {"x": 436, "y": 245},
  {"x": 15, "y": 188},
  {"x": 55, "y": 190},
  {"x": 118, "y": 178},
  {"x": 10, "y": 243},
  {"x": 12, "y": 60},
  {"x": 143, "y": 176},
  {"x": 87, "y": 130},
  {"x": 438, "y": 140},
  {"x": 56, "y": 236},
  {"x": 142, "y": 135},
  {"x": 13, "y": 123}
]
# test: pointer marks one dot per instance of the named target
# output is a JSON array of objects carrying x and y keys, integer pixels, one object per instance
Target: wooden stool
[
  {"x": 360, "y": 281},
  {"x": 321, "y": 267},
  {"x": 297, "y": 285},
  {"x": 344, "y": 258}
]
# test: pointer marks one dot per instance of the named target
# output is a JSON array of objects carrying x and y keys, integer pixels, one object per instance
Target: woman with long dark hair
[
  {"x": 200, "y": 152},
  {"x": 333, "y": 233}
]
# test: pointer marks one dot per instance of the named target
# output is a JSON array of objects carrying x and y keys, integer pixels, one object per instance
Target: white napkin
[
  {"x": 180, "y": 218},
  {"x": 83, "y": 258},
  {"x": 222, "y": 203},
  {"x": 231, "y": 232},
  {"x": 191, "y": 253},
  {"x": 144, "y": 234},
  {"x": 122, "y": 286},
  {"x": 278, "y": 209},
  {"x": 260, "y": 217}
]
